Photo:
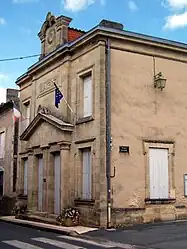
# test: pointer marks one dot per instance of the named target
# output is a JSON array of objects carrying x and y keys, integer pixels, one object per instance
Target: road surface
[
  {"x": 159, "y": 236},
  {"x": 168, "y": 235},
  {"x": 17, "y": 237}
]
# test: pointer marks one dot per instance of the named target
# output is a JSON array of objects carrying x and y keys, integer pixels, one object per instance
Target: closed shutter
[
  {"x": 27, "y": 115},
  {"x": 185, "y": 185},
  {"x": 2, "y": 144},
  {"x": 40, "y": 183},
  {"x": 87, "y": 96},
  {"x": 87, "y": 175},
  {"x": 57, "y": 182},
  {"x": 25, "y": 180},
  {"x": 158, "y": 170}
]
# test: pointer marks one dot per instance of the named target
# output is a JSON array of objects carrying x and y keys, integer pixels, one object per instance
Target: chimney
[
  {"x": 110, "y": 24},
  {"x": 54, "y": 33},
  {"x": 12, "y": 94}
]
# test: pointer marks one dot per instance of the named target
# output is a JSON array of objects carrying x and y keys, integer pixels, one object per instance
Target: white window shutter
[
  {"x": 57, "y": 183},
  {"x": 25, "y": 180},
  {"x": 28, "y": 114},
  {"x": 185, "y": 185},
  {"x": 87, "y": 96},
  {"x": 159, "y": 175},
  {"x": 2, "y": 144},
  {"x": 40, "y": 183},
  {"x": 87, "y": 175}
]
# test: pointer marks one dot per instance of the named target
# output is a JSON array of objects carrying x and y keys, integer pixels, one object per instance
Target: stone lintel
[
  {"x": 64, "y": 145},
  {"x": 23, "y": 153},
  {"x": 45, "y": 146},
  {"x": 87, "y": 140},
  {"x": 54, "y": 148},
  {"x": 30, "y": 151}
]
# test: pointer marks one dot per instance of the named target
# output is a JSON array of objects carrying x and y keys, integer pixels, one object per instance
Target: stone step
[{"x": 36, "y": 218}]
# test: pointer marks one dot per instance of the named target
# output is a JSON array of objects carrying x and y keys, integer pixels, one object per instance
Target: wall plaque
[
  {"x": 124, "y": 149},
  {"x": 48, "y": 87}
]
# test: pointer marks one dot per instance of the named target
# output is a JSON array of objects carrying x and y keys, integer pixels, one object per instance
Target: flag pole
[
  {"x": 69, "y": 106},
  {"x": 65, "y": 101}
]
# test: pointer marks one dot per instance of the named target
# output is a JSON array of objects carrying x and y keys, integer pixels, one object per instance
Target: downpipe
[{"x": 108, "y": 132}]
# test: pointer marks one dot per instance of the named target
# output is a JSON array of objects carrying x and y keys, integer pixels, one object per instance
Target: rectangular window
[
  {"x": 86, "y": 174},
  {"x": 158, "y": 173},
  {"x": 25, "y": 121},
  {"x": 87, "y": 96},
  {"x": 25, "y": 176},
  {"x": 2, "y": 144},
  {"x": 185, "y": 184},
  {"x": 27, "y": 113}
]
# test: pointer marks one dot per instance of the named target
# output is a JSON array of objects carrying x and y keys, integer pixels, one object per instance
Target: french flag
[{"x": 16, "y": 113}]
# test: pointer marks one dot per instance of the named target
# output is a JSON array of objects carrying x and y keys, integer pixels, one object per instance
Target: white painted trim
[
  {"x": 20, "y": 244},
  {"x": 90, "y": 242},
  {"x": 57, "y": 243}
]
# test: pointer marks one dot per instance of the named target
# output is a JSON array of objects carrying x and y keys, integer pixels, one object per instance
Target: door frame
[{"x": 170, "y": 145}]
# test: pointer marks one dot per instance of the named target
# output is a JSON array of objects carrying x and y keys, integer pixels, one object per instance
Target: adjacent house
[
  {"x": 8, "y": 143},
  {"x": 116, "y": 145}
]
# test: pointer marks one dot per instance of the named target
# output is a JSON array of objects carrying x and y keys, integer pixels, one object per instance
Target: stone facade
[
  {"x": 8, "y": 144},
  {"x": 47, "y": 134},
  {"x": 145, "y": 117},
  {"x": 142, "y": 117}
]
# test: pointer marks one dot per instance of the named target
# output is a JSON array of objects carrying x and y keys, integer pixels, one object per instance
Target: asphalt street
[
  {"x": 14, "y": 236},
  {"x": 157, "y": 236}
]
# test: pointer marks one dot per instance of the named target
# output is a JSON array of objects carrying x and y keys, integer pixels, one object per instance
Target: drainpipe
[{"x": 108, "y": 132}]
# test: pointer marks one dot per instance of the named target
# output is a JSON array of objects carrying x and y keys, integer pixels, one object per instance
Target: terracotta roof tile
[{"x": 74, "y": 34}]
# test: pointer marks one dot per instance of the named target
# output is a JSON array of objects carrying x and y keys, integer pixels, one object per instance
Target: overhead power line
[{"x": 20, "y": 58}]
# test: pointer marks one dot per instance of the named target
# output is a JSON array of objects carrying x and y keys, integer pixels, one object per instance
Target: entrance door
[
  {"x": 1, "y": 182},
  {"x": 158, "y": 170},
  {"x": 57, "y": 183},
  {"x": 40, "y": 183},
  {"x": 25, "y": 178}
]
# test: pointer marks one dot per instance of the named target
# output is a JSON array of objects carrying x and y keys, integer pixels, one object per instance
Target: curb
[
  {"x": 44, "y": 228},
  {"x": 149, "y": 225}
]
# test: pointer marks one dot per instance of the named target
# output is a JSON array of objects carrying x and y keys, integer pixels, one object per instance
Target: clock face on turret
[{"x": 51, "y": 35}]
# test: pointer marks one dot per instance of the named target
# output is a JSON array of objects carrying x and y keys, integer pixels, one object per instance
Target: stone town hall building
[{"x": 120, "y": 154}]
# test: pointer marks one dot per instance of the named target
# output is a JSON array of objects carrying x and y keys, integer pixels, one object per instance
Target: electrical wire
[{"x": 19, "y": 58}]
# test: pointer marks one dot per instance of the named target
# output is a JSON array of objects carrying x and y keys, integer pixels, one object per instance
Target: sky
[{"x": 21, "y": 20}]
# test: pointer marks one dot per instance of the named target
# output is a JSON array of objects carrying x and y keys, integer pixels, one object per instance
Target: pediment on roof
[{"x": 43, "y": 125}]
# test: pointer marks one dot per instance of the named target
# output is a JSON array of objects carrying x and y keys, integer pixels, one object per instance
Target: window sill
[
  {"x": 22, "y": 197},
  {"x": 159, "y": 201},
  {"x": 84, "y": 120},
  {"x": 180, "y": 206},
  {"x": 80, "y": 202},
  {"x": 121, "y": 210}
]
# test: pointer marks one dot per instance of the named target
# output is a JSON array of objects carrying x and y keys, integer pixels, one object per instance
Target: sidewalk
[{"x": 71, "y": 231}]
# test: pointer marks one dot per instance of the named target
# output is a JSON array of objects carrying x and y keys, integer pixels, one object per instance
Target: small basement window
[{"x": 185, "y": 185}]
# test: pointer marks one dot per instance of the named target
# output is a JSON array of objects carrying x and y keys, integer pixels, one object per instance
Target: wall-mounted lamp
[{"x": 159, "y": 81}]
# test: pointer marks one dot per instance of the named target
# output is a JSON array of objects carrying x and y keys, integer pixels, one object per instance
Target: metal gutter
[
  {"x": 128, "y": 34},
  {"x": 144, "y": 37},
  {"x": 108, "y": 132}
]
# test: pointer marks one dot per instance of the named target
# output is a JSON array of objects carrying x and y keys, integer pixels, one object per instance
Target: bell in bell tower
[{"x": 54, "y": 32}]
